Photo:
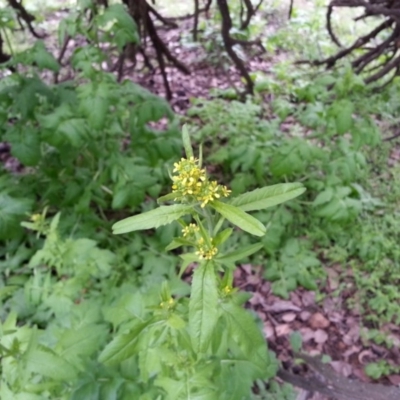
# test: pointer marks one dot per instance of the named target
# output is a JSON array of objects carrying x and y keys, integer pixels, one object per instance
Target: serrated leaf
[
  {"x": 44, "y": 59},
  {"x": 344, "y": 118},
  {"x": 74, "y": 130},
  {"x": 268, "y": 196},
  {"x": 244, "y": 252},
  {"x": 12, "y": 211},
  {"x": 50, "y": 365},
  {"x": 123, "y": 346},
  {"x": 98, "y": 112},
  {"x": 26, "y": 147},
  {"x": 82, "y": 341},
  {"x": 244, "y": 330},
  {"x": 151, "y": 219},
  {"x": 203, "y": 306},
  {"x": 239, "y": 218}
]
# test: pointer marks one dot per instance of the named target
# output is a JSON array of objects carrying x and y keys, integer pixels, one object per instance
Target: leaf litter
[{"x": 328, "y": 327}]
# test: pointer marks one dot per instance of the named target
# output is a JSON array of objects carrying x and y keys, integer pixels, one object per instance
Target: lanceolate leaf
[
  {"x": 186, "y": 142},
  {"x": 152, "y": 219},
  {"x": 268, "y": 196},
  {"x": 245, "y": 332},
  {"x": 223, "y": 236},
  {"x": 167, "y": 197},
  {"x": 178, "y": 242},
  {"x": 203, "y": 310},
  {"x": 239, "y": 218},
  {"x": 123, "y": 346},
  {"x": 241, "y": 253}
]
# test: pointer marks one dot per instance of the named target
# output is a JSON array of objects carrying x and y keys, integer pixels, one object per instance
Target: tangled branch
[{"x": 378, "y": 48}]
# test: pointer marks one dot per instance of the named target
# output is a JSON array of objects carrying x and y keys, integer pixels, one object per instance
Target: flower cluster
[
  {"x": 191, "y": 182},
  {"x": 190, "y": 230},
  {"x": 205, "y": 252}
]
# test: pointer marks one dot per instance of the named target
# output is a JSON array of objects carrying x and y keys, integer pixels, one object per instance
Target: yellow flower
[
  {"x": 227, "y": 289},
  {"x": 204, "y": 252},
  {"x": 191, "y": 183},
  {"x": 36, "y": 217},
  {"x": 190, "y": 230}
]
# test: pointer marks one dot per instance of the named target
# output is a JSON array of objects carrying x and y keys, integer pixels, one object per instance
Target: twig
[
  {"x": 329, "y": 26},
  {"x": 228, "y": 43}
]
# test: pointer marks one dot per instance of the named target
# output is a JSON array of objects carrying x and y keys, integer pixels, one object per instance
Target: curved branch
[
  {"x": 229, "y": 42},
  {"x": 334, "y": 38},
  {"x": 25, "y": 16}
]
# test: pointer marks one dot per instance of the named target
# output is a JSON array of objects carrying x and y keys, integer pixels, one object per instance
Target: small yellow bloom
[
  {"x": 227, "y": 289},
  {"x": 191, "y": 183},
  {"x": 190, "y": 230},
  {"x": 36, "y": 217}
]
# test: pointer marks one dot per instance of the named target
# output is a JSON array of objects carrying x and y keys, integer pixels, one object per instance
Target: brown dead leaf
[
  {"x": 305, "y": 315},
  {"x": 320, "y": 336},
  {"x": 365, "y": 357},
  {"x": 394, "y": 379},
  {"x": 283, "y": 330},
  {"x": 333, "y": 278},
  {"x": 307, "y": 334},
  {"x": 289, "y": 317},
  {"x": 282, "y": 305},
  {"x": 308, "y": 299},
  {"x": 269, "y": 330},
  {"x": 295, "y": 299},
  {"x": 318, "y": 321},
  {"x": 342, "y": 368}
]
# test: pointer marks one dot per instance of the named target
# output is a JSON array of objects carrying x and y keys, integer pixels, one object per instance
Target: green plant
[
  {"x": 79, "y": 140},
  {"x": 217, "y": 347}
]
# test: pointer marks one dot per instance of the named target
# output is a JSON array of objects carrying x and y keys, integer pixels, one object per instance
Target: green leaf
[
  {"x": 124, "y": 346},
  {"x": 176, "y": 322},
  {"x": 186, "y": 142},
  {"x": 188, "y": 258},
  {"x": 50, "y": 365},
  {"x": 296, "y": 341},
  {"x": 121, "y": 197},
  {"x": 82, "y": 341},
  {"x": 74, "y": 131},
  {"x": 96, "y": 110},
  {"x": 239, "y": 218},
  {"x": 44, "y": 59},
  {"x": 203, "y": 306},
  {"x": 268, "y": 196},
  {"x": 344, "y": 118},
  {"x": 25, "y": 146},
  {"x": 236, "y": 255},
  {"x": 245, "y": 332},
  {"x": 178, "y": 242},
  {"x": 151, "y": 219},
  {"x": 167, "y": 197},
  {"x": 323, "y": 197},
  {"x": 12, "y": 211},
  {"x": 223, "y": 236}
]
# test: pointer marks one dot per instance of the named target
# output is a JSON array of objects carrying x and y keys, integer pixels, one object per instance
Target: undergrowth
[{"x": 69, "y": 289}]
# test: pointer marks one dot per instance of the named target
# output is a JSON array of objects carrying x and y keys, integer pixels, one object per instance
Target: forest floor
[{"x": 328, "y": 324}]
